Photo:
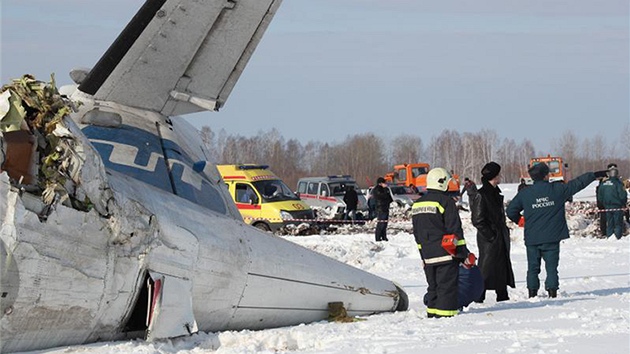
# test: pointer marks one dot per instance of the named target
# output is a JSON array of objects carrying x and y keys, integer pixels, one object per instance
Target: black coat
[
  {"x": 493, "y": 237},
  {"x": 382, "y": 197},
  {"x": 434, "y": 215},
  {"x": 351, "y": 199}
]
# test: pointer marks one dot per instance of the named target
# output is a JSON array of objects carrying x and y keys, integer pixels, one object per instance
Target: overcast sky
[{"x": 327, "y": 69}]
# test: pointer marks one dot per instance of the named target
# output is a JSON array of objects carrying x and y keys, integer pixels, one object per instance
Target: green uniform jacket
[
  {"x": 612, "y": 194},
  {"x": 543, "y": 208}
]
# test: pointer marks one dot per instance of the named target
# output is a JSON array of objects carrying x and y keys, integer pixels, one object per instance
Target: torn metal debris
[{"x": 39, "y": 150}]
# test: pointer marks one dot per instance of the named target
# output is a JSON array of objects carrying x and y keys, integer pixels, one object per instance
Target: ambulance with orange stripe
[{"x": 263, "y": 199}]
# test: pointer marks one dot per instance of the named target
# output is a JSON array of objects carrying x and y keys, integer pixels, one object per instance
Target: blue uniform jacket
[
  {"x": 612, "y": 194},
  {"x": 543, "y": 208}
]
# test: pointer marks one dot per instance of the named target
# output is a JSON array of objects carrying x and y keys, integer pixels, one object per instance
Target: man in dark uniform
[
  {"x": 437, "y": 229},
  {"x": 382, "y": 198},
  {"x": 600, "y": 206},
  {"x": 613, "y": 197},
  {"x": 542, "y": 205}
]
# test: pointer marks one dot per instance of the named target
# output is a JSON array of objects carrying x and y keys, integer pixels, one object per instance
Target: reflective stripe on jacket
[{"x": 434, "y": 215}]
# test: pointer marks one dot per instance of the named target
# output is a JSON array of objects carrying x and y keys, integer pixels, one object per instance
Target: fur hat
[
  {"x": 539, "y": 171},
  {"x": 490, "y": 170}
]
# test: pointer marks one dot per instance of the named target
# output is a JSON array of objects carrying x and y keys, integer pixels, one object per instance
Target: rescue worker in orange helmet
[{"x": 437, "y": 229}]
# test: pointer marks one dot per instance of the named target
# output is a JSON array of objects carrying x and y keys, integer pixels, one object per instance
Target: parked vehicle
[
  {"x": 410, "y": 174},
  {"x": 404, "y": 195},
  {"x": 327, "y": 193},
  {"x": 415, "y": 174},
  {"x": 558, "y": 169},
  {"x": 263, "y": 199}
]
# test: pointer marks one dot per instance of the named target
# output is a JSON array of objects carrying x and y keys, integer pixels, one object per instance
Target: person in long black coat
[{"x": 493, "y": 235}]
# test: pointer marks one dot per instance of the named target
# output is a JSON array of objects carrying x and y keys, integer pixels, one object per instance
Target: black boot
[
  {"x": 502, "y": 295},
  {"x": 552, "y": 292},
  {"x": 481, "y": 298},
  {"x": 533, "y": 292}
]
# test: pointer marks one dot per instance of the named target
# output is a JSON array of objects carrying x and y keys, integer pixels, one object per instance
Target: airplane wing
[{"x": 171, "y": 59}]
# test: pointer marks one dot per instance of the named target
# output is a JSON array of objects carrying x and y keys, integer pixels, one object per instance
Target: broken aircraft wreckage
[{"x": 114, "y": 225}]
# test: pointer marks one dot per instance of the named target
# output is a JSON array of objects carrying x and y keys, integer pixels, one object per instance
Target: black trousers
[
  {"x": 381, "y": 226},
  {"x": 442, "y": 290}
]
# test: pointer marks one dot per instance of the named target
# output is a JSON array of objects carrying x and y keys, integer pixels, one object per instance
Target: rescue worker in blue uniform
[
  {"x": 435, "y": 218},
  {"x": 613, "y": 197},
  {"x": 542, "y": 205}
]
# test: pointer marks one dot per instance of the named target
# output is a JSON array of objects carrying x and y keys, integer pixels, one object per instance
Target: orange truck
[
  {"x": 415, "y": 174},
  {"x": 558, "y": 169}
]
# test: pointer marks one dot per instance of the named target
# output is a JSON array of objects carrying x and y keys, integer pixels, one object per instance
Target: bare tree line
[{"x": 367, "y": 156}]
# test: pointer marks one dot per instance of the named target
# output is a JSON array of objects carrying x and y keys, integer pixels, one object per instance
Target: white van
[{"x": 327, "y": 193}]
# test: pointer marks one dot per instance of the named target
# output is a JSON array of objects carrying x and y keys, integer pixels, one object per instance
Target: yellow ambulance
[{"x": 263, "y": 199}]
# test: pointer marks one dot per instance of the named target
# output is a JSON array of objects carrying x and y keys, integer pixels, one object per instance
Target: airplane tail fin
[{"x": 180, "y": 56}]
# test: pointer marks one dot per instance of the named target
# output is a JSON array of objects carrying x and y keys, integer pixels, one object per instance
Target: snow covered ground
[{"x": 590, "y": 315}]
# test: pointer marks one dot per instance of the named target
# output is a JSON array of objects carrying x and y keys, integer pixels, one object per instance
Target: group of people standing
[{"x": 438, "y": 233}]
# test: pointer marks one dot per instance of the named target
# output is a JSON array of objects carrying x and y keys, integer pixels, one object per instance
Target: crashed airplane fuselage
[{"x": 117, "y": 227}]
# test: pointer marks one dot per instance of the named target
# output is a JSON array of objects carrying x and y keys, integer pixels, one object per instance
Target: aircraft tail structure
[{"x": 173, "y": 60}]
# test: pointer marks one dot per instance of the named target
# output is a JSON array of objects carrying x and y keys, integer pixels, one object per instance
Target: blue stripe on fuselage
[
  {"x": 136, "y": 153},
  {"x": 144, "y": 163}
]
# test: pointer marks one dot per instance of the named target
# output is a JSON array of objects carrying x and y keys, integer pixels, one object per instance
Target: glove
[
  {"x": 469, "y": 261},
  {"x": 521, "y": 222},
  {"x": 601, "y": 174}
]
